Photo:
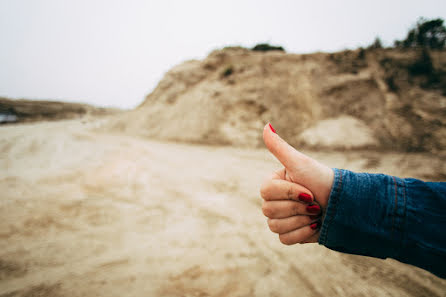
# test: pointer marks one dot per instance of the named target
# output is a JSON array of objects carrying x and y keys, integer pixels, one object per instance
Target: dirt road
[{"x": 85, "y": 213}]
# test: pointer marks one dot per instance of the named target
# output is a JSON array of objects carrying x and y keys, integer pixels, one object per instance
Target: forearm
[{"x": 383, "y": 216}]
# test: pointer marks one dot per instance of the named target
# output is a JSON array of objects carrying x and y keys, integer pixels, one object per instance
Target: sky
[{"x": 113, "y": 53}]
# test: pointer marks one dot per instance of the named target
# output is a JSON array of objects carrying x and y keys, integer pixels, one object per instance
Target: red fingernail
[
  {"x": 271, "y": 127},
  {"x": 314, "y": 217},
  {"x": 304, "y": 197},
  {"x": 314, "y": 226},
  {"x": 313, "y": 208}
]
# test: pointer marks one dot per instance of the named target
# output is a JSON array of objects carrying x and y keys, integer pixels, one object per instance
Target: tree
[
  {"x": 376, "y": 44},
  {"x": 427, "y": 34}
]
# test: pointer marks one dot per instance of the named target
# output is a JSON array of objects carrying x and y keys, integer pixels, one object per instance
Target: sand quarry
[
  {"x": 89, "y": 213},
  {"x": 164, "y": 200}
]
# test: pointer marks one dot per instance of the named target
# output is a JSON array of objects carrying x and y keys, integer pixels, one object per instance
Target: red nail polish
[
  {"x": 304, "y": 197},
  {"x": 314, "y": 217},
  {"x": 314, "y": 226},
  {"x": 271, "y": 127},
  {"x": 313, "y": 208}
]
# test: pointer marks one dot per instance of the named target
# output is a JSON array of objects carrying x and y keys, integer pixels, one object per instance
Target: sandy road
[{"x": 85, "y": 213}]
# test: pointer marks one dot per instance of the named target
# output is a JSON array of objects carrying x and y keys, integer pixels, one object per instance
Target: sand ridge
[{"x": 227, "y": 97}]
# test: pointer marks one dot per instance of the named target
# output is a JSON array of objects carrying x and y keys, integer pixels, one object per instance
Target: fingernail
[
  {"x": 271, "y": 127},
  {"x": 313, "y": 208},
  {"x": 304, "y": 197},
  {"x": 314, "y": 217},
  {"x": 314, "y": 226}
]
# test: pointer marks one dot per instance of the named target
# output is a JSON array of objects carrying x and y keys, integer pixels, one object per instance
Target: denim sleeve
[{"x": 387, "y": 217}]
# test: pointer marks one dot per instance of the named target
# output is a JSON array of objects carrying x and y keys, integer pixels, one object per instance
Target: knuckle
[
  {"x": 285, "y": 239},
  {"x": 273, "y": 226},
  {"x": 290, "y": 192},
  {"x": 267, "y": 210},
  {"x": 296, "y": 208},
  {"x": 264, "y": 190}
]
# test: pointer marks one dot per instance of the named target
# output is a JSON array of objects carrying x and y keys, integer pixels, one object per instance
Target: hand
[{"x": 290, "y": 192}]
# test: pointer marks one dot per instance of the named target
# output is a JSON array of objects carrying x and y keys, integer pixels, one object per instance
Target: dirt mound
[
  {"x": 15, "y": 111},
  {"x": 344, "y": 132},
  {"x": 230, "y": 95}
]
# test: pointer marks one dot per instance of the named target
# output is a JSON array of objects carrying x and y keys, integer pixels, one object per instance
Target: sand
[
  {"x": 351, "y": 99},
  {"x": 88, "y": 213}
]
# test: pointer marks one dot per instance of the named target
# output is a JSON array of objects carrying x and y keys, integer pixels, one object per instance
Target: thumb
[
  {"x": 285, "y": 153},
  {"x": 300, "y": 168}
]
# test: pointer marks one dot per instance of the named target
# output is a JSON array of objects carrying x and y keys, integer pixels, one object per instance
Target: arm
[{"x": 383, "y": 216}]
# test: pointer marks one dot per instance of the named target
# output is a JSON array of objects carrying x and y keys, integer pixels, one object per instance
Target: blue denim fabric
[{"x": 387, "y": 217}]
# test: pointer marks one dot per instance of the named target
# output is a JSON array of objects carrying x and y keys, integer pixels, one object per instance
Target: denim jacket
[{"x": 387, "y": 217}]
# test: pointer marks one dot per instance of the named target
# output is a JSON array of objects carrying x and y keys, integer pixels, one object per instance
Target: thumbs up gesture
[{"x": 296, "y": 196}]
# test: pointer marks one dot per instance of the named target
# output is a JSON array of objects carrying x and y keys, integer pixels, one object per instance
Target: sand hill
[
  {"x": 386, "y": 99},
  {"x": 21, "y": 110}
]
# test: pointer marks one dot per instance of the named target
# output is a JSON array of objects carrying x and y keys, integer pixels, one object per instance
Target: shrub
[
  {"x": 427, "y": 33},
  {"x": 227, "y": 71},
  {"x": 361, "y": 53},
  {"x": 423, "y": 65},
  {"x": 376, "y": 44},
  {"x": 390, "y": 81},
  {"x": 264, "y": 47},
  {"x": 234, "y": 47}
]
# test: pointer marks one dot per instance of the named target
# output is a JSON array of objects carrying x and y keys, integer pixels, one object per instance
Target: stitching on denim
[
  {"x": 396, "y": 202},
  {"x": 338, "y": 190}
]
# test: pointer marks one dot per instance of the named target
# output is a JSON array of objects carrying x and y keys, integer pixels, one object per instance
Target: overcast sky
[{"x": 113, "y": 53}]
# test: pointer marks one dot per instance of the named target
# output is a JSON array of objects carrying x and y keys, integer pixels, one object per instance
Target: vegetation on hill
[
  {"x": 265, "y": 47},
  {"x": 426, "y": 34}
]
